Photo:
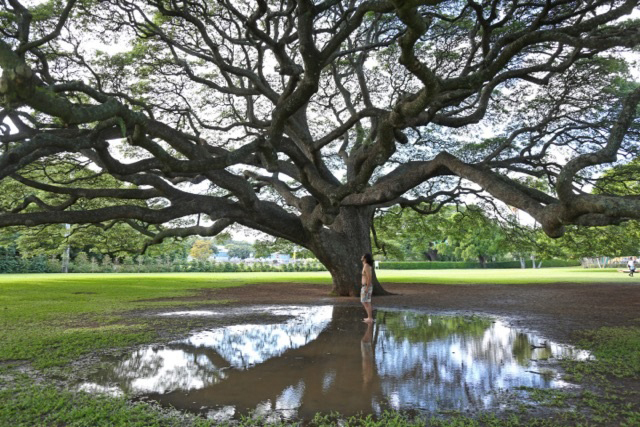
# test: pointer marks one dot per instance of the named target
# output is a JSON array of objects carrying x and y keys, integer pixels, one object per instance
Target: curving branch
[
  {"x": 607, "y": 154},
  {"x": 213, "y": 230},
  {"x": 298, "y": 118}
]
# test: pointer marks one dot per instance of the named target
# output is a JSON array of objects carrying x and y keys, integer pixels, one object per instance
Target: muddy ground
[{"x": 555, "y": 310}]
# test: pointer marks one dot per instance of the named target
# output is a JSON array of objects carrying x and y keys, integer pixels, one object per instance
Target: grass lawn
[
  {"x": 52, "y": 319},
  {"x": 506, "y": 276}
]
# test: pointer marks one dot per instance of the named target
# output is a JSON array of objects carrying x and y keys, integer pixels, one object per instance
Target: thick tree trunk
[
  {"x": 341, "y": 247},
  {"x": 432, "y": 253},
  {"x": 482, "y": 261}
]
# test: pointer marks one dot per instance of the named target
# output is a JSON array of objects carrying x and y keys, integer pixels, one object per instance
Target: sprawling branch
[
  {"x": 213, "y": 230},
  {"x": 608, "y": 154},
  {"x": 298, "y": 118}
]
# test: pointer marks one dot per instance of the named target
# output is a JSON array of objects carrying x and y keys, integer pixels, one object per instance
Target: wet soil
[
  {"x": 559, "y": 309},
  {"x": 322, "y": 358}
]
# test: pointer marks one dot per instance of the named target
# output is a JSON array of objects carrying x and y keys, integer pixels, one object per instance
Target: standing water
[{"x": 323, "y": 359}]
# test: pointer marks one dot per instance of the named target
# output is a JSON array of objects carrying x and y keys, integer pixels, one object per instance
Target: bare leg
[{"x": 369, "y": 309}]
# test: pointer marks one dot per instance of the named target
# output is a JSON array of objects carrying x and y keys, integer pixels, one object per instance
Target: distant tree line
[
  {"x": 481, "y": 235},
  {"x": 54, "y": 249},
  {"x": 489, "y": 232},
  {"x": 460, "y": 237},
  {"x": 11, "y": 262},
  {"x": 441, "y": 265},
  {"x": 468, "y": 233}
]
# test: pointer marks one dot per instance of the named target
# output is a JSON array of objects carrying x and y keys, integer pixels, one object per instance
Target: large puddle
[{"x": 322, "y": 359}]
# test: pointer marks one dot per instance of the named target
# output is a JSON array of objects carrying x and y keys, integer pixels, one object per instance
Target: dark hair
[{"x": 368, "y": 258}]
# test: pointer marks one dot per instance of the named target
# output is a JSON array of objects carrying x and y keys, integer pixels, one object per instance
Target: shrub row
[
  {"x": 426, "y": 265},
  {"x": 441, "y": 265},
  {"x": 545, "y": 263},
  {"x": 193, "y": 267},
  {"x": 24, "y": 265},
  {"x": 44, "y": 265}
]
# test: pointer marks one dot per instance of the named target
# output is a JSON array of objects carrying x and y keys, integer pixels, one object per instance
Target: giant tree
[{"x": 298, "y": 118}]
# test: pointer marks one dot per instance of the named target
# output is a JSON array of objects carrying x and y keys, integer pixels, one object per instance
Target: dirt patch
[
  {"x": 553, "y": 311},
  {"x": 558, "y": 310}
]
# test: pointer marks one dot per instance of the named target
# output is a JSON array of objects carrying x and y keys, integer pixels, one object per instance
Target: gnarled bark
[{"x": 341, "y": 248}]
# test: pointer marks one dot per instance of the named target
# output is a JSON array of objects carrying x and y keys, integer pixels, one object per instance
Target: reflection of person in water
[
  {"x": 367, "y": 286},
  {"x": 366, "y": 348}
]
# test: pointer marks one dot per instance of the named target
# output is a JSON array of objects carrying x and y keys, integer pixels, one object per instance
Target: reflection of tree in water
[
  {"x": 164, "y": 368},
  {"x": 522, "y": 349},
  {"x": 245, "y": 345},
  {"x": 326, "y": 373},
  {"x": 416, "y": 327},
  {"x": 320, "y": 360},
  {"x": 525, "y": 350},
  {"x": 200, "y": 361},
  {"x": 439, "y": 362}
]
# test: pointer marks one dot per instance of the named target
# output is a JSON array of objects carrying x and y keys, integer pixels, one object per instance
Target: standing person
[
  {"x": 367, "y": 286},
  {"x": 632, "y": 265}
]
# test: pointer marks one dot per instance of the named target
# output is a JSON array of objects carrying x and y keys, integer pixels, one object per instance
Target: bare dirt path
[{"x": 556, "y": 310}]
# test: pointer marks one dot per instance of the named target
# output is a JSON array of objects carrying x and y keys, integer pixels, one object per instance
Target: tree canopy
[
  {"x": 299, "y": 118},
  {"x": 201, "y": 250}
]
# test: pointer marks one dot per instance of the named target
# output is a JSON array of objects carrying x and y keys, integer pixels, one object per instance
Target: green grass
[
  {"x": 507, "y": 276},
  {"x": 52, "y": 319},
  {"x": 28, "y": 404},
  {"x": 616, "y": 353}
]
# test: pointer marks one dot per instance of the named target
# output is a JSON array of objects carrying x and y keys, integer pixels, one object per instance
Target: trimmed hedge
[
  {"x": 441, "y": 265},
  {"x": 426, "y": 265},
  {"x": 25, "y": 265},
  {"x": 17, "y": 264}
]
